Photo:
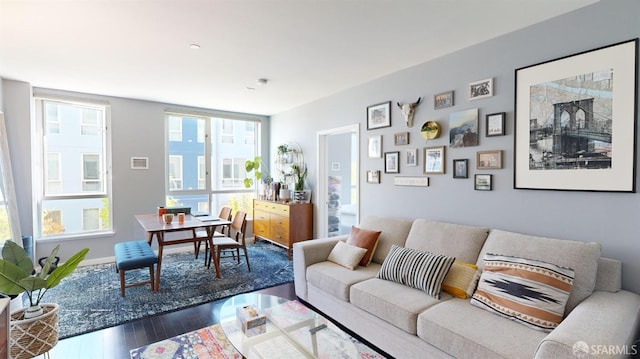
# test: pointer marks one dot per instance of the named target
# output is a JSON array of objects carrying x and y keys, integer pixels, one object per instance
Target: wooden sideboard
[{"x": 282, "y": 223}]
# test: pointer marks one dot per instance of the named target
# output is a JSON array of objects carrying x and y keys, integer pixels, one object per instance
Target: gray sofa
[{"x": 408, "y": 323}]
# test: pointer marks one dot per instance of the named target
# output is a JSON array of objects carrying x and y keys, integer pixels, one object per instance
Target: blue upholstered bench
[{"x": 134, "y": 255}]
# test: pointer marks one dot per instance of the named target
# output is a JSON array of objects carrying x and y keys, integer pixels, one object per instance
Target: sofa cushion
[
  {"x": 336, "y": 280},
  {"x": 394, "y": 231},
  {"x": 366, "y": 239},
  {"x": 346, "y": 255},
  {"x": 454, "y": 240},
  {"x": 582, "y": 257},
  {"x": 527, "y": 291},
  {"x": 461, "y": 280},
  {"x": 464, "y": 331},
  {"x": 392, "y": 302},
  {"x": 421, "y": 270}
]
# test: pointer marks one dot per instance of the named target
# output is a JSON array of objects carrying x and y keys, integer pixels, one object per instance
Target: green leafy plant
[
  {"x": 252, "y": 165},
  {"x": 299, "y": 176},
  {"x": 17, "y": 274}
]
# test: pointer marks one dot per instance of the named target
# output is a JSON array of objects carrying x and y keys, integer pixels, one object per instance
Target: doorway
[{"x": 338, "y": 180}]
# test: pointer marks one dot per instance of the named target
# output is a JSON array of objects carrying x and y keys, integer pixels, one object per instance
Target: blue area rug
[{"x": 90, "y": 298}]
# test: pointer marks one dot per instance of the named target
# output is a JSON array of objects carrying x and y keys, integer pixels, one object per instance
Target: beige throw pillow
[{"x": 346, "y": 255}]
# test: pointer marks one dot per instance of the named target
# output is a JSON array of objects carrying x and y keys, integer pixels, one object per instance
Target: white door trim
[{"x": 323, "y": 174}]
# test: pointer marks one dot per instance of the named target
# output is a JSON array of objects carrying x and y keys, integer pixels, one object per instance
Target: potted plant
[
  {"x": 17, "y": 275},
  {"x": 299, "y": 176},
  {"x": 252, "y": 165}
]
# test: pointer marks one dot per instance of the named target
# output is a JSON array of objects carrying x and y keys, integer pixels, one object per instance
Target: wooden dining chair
[
  {"x": 225, "y": 213},
  {"x": 235, "y": 241}
]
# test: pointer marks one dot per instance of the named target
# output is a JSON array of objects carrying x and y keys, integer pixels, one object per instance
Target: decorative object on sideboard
[{"x": 408, "y": 111}]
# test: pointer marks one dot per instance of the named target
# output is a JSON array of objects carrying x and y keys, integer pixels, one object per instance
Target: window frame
[
  {"x": 40, "y": 170},
  {"x": 209, "y": 120}
]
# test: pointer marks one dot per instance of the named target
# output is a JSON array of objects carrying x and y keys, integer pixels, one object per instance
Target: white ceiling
[{"x": 307, "y": 49}]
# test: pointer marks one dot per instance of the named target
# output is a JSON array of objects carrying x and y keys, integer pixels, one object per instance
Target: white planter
[{"x": 16, "y": 303}]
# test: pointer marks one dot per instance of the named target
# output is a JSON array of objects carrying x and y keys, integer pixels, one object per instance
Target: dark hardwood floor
[{"x": 115, "y": 342}]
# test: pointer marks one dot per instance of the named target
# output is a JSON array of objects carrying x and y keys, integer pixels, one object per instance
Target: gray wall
[
  {"x": 608, "y": 218},
  {"x": 137, "y": 131}
]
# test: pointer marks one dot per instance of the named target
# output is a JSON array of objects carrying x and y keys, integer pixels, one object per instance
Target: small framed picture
[
  {"x": 443, "y": 100},
  {"x": 489, "y": 160},
  {"x": 434, "y": 159},
  {"x": 335, "y": 166},
  {"x": 483, "y": 182},
  {"x": 392, "y": 162},
  {"x": 481, "y": 89},
  {"x": 401, "y": 139},
  {"x": 411, "y": 157},
  {"x": 379, "y": 115},
  {"x": 495, "y": 124},
  {"x": 460, "y": 168},
  {"x": 373, "y": 176},
  {"x": 375, "y": 146}
]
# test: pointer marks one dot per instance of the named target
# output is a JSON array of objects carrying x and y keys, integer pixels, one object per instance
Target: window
[
  {"x": 211, "y": 171},
  {"x": 175, "y": 172},
  {"x": 54, "y": 180},
  {"x": 91, "y": 181},
  {"x": 90, "y": 219},
  {"x": 74, "y": 195},
  {"x": 89, "y": 123},
  {"x": 227, "y": 131},
  {"x": 175, "y": 129},
  {"x": 250, "y": 133}
]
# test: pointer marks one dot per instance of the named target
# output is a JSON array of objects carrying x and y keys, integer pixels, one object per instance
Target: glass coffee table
[{"x": 292, "y": 331}]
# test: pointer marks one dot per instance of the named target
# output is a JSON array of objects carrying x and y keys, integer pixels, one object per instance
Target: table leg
[
  {"x": 213, "y": 255},
  {"x": 160, "y": 246},
  {"x": 150, "y": 238}
]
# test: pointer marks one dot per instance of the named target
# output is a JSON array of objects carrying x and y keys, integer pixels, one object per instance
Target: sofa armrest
[
  {"x": 603, "y": 321},
  {"x": 307, "y": 253}
]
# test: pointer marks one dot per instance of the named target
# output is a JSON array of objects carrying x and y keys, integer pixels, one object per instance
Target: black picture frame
[
  {"x": 461, "y": 168},
  {"x": 392, "y": 162},
  {"x": 379, "y": 115},
  {"x": 571, "y": 137},
  {"x": 483, "y": 182},
  {"x": 495, "y": 124}
]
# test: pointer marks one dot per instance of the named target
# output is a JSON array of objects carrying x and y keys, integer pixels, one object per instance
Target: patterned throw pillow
[
  {"x": 421, "y": 270},
  {"x": 364, "y": 239},
  {"x": 528, "y": 291},
  {"x": 461, "y": 280},
  {"x": 346, "y": 255}
]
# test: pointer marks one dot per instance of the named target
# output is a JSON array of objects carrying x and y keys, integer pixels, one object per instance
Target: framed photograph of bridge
[{"x": 575, "y": 121}]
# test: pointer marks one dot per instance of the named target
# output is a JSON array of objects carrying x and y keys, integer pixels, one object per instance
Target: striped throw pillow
[
  {"x": 421, "y": 270},
  {"x": 528, "y": 291}
]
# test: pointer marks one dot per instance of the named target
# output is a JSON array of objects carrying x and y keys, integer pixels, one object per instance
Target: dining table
[{"x": 155, "y": 226}]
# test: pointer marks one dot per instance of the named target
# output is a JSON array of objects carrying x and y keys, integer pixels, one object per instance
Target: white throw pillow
[{"x": 346, "y": 255}]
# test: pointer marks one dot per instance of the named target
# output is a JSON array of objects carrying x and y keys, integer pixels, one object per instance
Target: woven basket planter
[{"x": 35, "y": 336}]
